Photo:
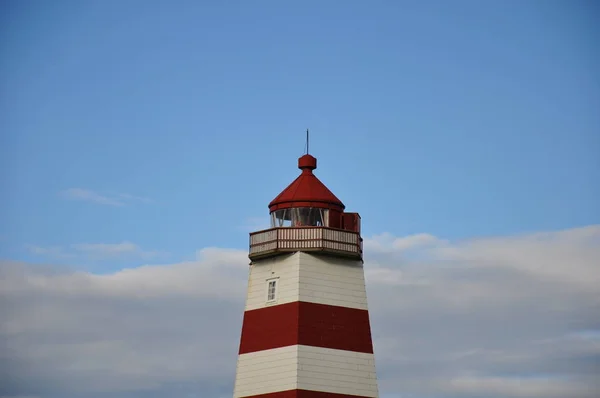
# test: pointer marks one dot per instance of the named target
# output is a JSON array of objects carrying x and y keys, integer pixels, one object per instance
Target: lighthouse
[{"x": 306, "y": 330}]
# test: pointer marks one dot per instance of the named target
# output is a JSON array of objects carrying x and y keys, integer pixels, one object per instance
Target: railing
[{"x": 288, "y": 239}]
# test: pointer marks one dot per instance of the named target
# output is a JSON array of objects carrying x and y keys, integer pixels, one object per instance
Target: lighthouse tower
[{"x": 306, "y": 330}]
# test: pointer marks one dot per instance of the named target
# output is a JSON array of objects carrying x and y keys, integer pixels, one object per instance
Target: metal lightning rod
[{"x": 307, "y": 141}]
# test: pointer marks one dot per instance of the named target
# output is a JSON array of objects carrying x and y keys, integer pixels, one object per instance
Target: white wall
[
  {"x": 306, "y": 368},
  {"x": 267, "y": 371},
  {"x": 316, "y": 279},
  {"x": 286, "y": 268},
  {"x": 332, "y": 281},
  {"x": 311, "y": 278}
]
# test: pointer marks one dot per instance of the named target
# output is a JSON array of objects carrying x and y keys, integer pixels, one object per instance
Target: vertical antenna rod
[{"x": 307, "y": 141}]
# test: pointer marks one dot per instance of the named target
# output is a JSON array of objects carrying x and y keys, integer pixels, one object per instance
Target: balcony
[{"x": 274, "y": 241}]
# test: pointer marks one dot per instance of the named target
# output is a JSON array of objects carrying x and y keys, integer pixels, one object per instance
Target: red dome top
[{"x": 306, "y": 190}]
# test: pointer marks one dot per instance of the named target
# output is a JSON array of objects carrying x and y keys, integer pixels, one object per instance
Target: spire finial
[
  {"x": 307, "y": 163},
  {"x": 307, "y": 151}
]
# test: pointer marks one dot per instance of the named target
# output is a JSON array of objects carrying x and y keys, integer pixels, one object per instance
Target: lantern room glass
[{"x": 300, "y": 217}]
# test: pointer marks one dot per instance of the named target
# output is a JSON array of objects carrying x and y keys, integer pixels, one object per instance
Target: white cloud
[
  {"x": 91, "y": 196},
  {"x": 107, "y": 248},
  {"x": 48, "y": 251},
  {"x": 95, "y": 251},
  {"x": 120, "y": 199},
  {"x": 19, "y": 396},
  {"x": 115, "y": 250},
  {"x": 493, "y": 317},
  {"x": 127, "y": 196},
  {"x": 388, "y": 243},
  {"x": 518, "y": 387}
]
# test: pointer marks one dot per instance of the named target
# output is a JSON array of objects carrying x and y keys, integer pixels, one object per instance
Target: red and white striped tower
[{"x": 306, "y": 330}]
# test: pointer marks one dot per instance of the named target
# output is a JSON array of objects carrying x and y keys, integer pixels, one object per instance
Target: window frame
[
  {"x": 275, "y": 282},
  {"x": 299, "y": 216}
]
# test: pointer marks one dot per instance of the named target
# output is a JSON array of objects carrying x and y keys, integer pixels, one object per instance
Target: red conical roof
[{"x": 306, "y": 190}]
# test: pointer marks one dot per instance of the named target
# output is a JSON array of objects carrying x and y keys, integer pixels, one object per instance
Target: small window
[{"x": 272, "y": 290}]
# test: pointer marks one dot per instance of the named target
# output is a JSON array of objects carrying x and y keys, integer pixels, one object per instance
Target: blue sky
[
  {"x": 155, "y": 129},
  {"x": 454, "y": 118}
]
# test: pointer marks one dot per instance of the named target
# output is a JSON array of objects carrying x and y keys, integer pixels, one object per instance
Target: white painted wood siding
[
  {"x": 332, "y": 281},
  {"x": 337, "y": 371},
  {"x": 284, "y": 267},
  {"x": 307, "y": 277},
  {"x": 266, "y": 371},
  {"x": 307, "y": 368}
]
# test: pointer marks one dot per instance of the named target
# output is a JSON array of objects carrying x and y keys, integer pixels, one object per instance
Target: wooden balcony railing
[{"x": 287, "y": 239}]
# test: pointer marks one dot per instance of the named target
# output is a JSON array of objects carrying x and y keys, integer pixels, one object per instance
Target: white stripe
[
  {"x": 311, "y": 278},
  {"x": 306, "y": 368}
]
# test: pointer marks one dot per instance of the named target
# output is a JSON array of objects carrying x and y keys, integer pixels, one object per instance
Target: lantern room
[
  {"x": 309, "y": 214},
  {"x": 307, "y": 202}
]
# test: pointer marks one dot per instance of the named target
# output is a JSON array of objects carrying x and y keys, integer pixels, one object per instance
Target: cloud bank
[
  {"x": 496, "y": 317},
  {"x": 87, "y": 195},
  {"x": 95, "y": 251}
]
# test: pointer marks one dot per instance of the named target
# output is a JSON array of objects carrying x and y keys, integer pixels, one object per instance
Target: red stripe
[
  {"x": 311, "y": 324},
  {"x": 303, "y": 394}
]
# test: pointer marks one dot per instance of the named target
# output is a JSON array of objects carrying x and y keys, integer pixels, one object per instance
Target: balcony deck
[{"x": 273, "y": 241}]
